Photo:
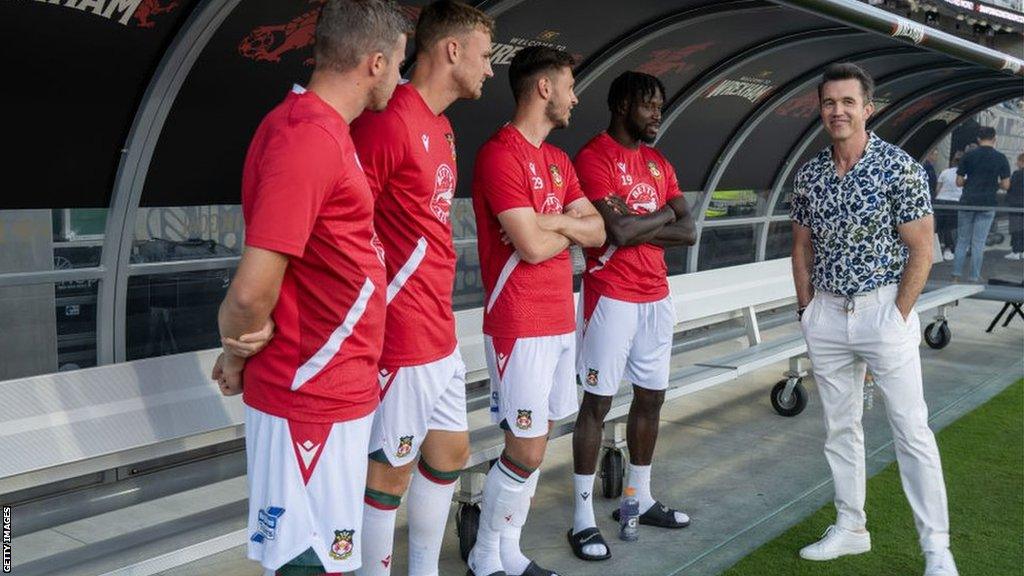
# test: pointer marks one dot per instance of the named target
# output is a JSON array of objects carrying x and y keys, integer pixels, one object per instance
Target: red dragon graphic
[
  {"x": 805, "y": 106},
  {"x": 268, "y": 43},
  {"x": 148, "y": 8},
  {"x": 672, "y": 60}
]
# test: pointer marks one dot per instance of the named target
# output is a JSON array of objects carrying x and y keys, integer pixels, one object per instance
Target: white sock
[
  {"x": 502, "y": 491},
  {"x": 377, "y": 541},
  {"x": 583, "y": 513},
  {"x": 640, "y": 480},
  {"x": 430, "y": 502},
  {"x": 512, "y": 558}
]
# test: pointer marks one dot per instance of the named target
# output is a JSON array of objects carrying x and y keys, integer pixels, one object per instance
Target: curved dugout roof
[{"x": 153, "y": 101}]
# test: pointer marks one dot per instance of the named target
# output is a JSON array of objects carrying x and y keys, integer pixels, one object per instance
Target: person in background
[
  {"x": 981, "y": 173},
  {"x": 947, "y": 193},
  {"x": 929, "y": 169},
  {"x": 1015, "y": 199}
]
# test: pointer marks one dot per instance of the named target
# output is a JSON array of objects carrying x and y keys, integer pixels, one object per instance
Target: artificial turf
[{"x": 983, "y": 460}]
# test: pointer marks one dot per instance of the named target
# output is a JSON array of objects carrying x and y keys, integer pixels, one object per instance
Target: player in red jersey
[
  {"x": 313, "y": 262},
  {"x": 408, "y": 152},
  {"x": 529, "y": 209},
  {"x": 626, "y": 315}
]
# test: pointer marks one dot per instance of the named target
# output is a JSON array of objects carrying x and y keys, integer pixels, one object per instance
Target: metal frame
[
  {"x": 894, "y": 109},
  {"x": 860, "y": 15},
  {"x": 188, "y": 44},
  {"x": 947, "y": 106},
  {"x": 592, "y": 68},
  {"x": 740, "y": 134},
  {"x": 815, "y": 128}
]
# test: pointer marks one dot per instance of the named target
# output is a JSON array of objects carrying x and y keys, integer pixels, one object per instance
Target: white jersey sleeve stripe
[
  {"x": 316, "y": 363},
  {"x": 506, "y": 271},
  {"x": 407, "y": 269},
  {"x": 608, "y": 253}
]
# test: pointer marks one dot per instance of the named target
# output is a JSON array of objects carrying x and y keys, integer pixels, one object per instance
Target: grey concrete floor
[{"x": 743, "y": 473}]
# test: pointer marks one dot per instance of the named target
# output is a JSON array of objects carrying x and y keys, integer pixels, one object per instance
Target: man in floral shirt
[{"x": 862, "y": 240}]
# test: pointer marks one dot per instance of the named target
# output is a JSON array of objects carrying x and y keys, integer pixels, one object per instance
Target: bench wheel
[
  {"x": 937, "y": 335},
  {"x": 612, "y": 471},
  {"x": 796, "y": 402},
  {"x": 467, "y": 520}
]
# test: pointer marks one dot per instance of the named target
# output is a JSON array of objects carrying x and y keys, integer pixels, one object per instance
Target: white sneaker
[
  {"x": 836, "y": 542},
  {"x": 947, "y": 255},
  {"x": 939, "y": 563},
  {"x": 1014, "y": 256}
]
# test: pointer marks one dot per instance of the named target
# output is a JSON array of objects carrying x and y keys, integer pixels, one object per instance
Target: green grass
[{"x": 983, "y": 460}]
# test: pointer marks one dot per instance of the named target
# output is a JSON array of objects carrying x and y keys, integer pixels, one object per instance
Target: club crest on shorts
[
  {"x": 404, "y": 446},
  {"x": 342, "y": 547},
  {"x": 524, "y": 420},
  {"x": 592, "y": 376},
  {"x": 653, "y": 167},
  {"x": 556, "y": 176},
  {"x": 266, "y": 524}
]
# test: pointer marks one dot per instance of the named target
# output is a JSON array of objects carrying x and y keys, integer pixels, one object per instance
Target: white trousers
[{"x": 845, "y": 337}]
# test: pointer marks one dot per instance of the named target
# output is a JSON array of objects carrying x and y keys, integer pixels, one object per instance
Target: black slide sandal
[
  {"x": 585, "y": 538},
  {"x": 657, "y": 515}
]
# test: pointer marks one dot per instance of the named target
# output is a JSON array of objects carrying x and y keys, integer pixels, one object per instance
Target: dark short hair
[
  {"x": 986, "y": 133},
  {"x": 848, "y": 71},
  {"x": 446, "y": 18},
  {"x": 534, "y": 60},
  {"x": 632, "y": 88},
  {"x": 348, "y": 30}
]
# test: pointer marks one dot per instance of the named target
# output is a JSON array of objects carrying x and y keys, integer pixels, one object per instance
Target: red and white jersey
[
  {"x": 408, "y": 153},
  {"x": 522, "y": 300},
  {"x": 304, "y": 195},
  {"x": 646, "y": 181}
]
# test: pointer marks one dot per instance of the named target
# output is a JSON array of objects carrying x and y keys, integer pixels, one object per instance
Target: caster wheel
[
  {"x": 612, "y": 471},
  {"x": 937, "y": 336},
  {"x": 793, "y": 405},
  {"x": 467, "y": 520}
]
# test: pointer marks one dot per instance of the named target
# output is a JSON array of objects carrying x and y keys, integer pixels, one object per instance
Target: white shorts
[
  {"x": 306, "y": 487},
  {"x": 532, "y": 381},
  {"x": 624, "y": 340},
  {"x": 415, "y": 399}
]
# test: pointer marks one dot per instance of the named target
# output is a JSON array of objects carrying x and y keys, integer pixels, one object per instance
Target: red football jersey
[
  {"x": 304, "y": 195},
  {"x": 408, "y": 153},
  {"x": 522, "y": 300},
  {"x": 646, "y": 181}
]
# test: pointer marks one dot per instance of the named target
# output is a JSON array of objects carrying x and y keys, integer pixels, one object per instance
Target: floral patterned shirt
[{"x": 853, "y": 219}]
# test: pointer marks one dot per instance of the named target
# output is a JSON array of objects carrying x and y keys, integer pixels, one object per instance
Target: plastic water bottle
[
  {"x": 629, "y": 516},
  {"x": 869, "y": 391}
]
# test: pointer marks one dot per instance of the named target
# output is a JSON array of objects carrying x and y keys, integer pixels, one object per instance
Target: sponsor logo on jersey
[
  {"x": 404, "y": 446},
  {"x": 552, "y": 204},
  {"x": 652, "y": 166},
  {"x": 556, "y": 176},
  {"x": 643, "y": 198},
  {"x": 524, "y": 419},
  {"x": 444, "y": 190},
  {"x": 592, "y": 376},
  {"x": 266, "y": 524},
  {"x": 622, "y": 166},
  {"x": 342, "y": 547},
  {"x": 426, "y": 142}
]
